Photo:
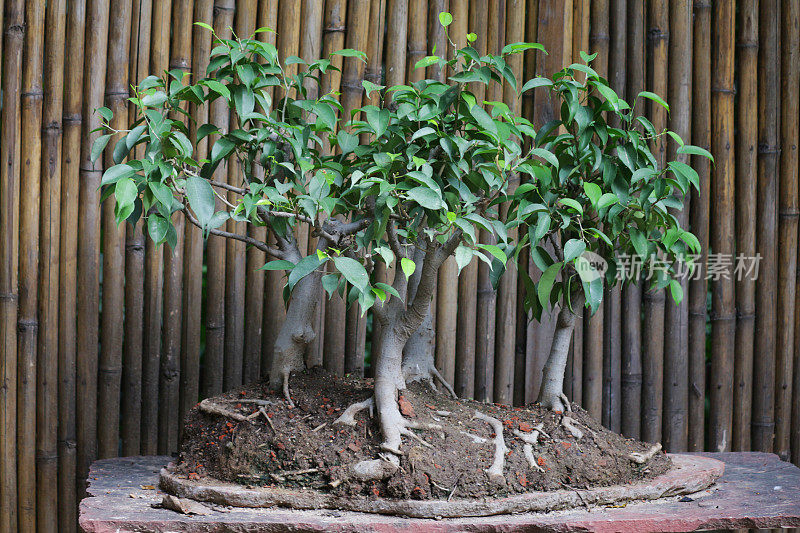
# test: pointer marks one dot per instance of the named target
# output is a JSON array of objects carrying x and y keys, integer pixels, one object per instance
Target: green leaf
[
  {"x": 408, "y": 266},
  {"x": 463, "y": 257},
  {"x": 445, "y": 18},
  {"x": 606, "y": 200},
  {"x": 349, "y": 52},
  {"x": 378, "y": 119},
  {"x": 593, "y": 191},
  {"x": 183, "y": 143},
  {"x": 204, "y": 25},
  {"x": 534, "y": 83},
  {"x": 676, "y": 290},
  {"x": 484, "y": 120},
  {"x": 369, "y": 87},
  {"x": 162, "y": 193},
  {"x": 426, "y": 62},
  {"x": 639, "y": 242},
  {"x": 155, "y": 99},
  {"x": 125, "y": 192},
  {"x": 695, "y": 150},
  {"x": 218, "y": 88},
  {"x": 574, "y": 204},
  {"x": 426, "y": 197},
  {"x": 157, "y": 228},
  {"x": 98, "y": 146},
  {"x": 280, "y": 264},
  {"x": 545, "y": 284},
  {"x": 347, "y": 142},
  {"x": 353, "y": 271},
  {"x": 303, "y": 268},
  {"x": 106, "y": 113},
  {"x": 201, "y": 198},
  {"x": 515, "y": 48},
  {"x": 388, "y": 288},
  {"x": 495, "y": 251},
  {"x": 573, "y": 248},
  {"x": 221, "y": 149},
  {"x": 655, "y": 98},
  {"x": 116, "y": 173},
  {"x": 547, "y": 155}
]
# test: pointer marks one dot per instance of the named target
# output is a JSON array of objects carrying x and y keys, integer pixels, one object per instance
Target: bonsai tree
[{"x": 603, "y": 201}]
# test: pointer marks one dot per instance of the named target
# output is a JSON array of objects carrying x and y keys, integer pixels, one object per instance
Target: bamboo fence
[{"x": 108, "y": 341}]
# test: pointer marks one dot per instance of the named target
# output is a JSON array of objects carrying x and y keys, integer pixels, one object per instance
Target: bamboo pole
[
  {"x": 787, "y": 224},
  {"x": 447, "y": 280},
  {"x": 763, "y": 422},
  {"x": 746, "y": 216},
  {"x": 27, "y": 321},
  {"x": 631, "y": 294},
  {"x": 535, "y": 333},
  {"x": 676, "y": 319},
  {"x": 88, "y": 239},
  {"x": 333, "y": 39},
  {"x": 214, "y": 364},
  {"x": 154, "y": 259},
  {"x": 653, "y": 300},
  {"x": 131, "y": 402},
  {"x": 113, "y": 295},
  {"x": 417, "y": 38},
  {"x": 396, "y": 35},
  {"x": 311, "y": 50},
  {"x": 274, "y": 310},
  {"x": 722, "y": 304},
  {"x": 612, "y": 312},
  {"x": 169, "y": 369},
  {"x": 252, "y": 312},
  {"x": 13, "y": 39},
  {"x": 68, "y": 237},
  {"x": 480, "y": 24},
  {"x": 698, "y": 220},
  {"x": 189, "y": 389},
  {"x": 593, "y": 326},
  {"x": 235, "y": 253},
  {"x": 47, "y": 349}
]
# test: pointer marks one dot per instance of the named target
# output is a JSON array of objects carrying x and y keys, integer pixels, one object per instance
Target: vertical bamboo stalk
[
  {"x": 131, "y": 402},
  {"x": 169, "y": 369},
  {"x": 508, "y": 326},
  {"x": 214, "y": 364},
  {"x": 653, "y": 327},
  {"x": 535, "y": 333},
  {"x": 768, "y": 150},
  {"x": 480, "y": 25},
  {"x": 27, "y": 321},
  {"x": 631, "y": 294},
  {"x": 89, "y": 239},
  {"x": 13, "y": 39},
  {"x": 235, "y": 250},
  {"x": 311, "y": 50},
  {"x": 396, "y": 35},
  {"x": 698, "y": 220},
  {"x": 417, "y": 38},
  {"x": 722, "y": 236},
  {"x": 593, "y": 326},
  {"x": 68, "y": 237},
  {"x": 193, "y": 244},
  {"x": 787, "y": 224},
  {"x": 746, "y": 216},
  {"x": 333, "y": 39},
  {"x": 612, "y": 312},
  {"x": 358, "y": 16},
  {"x": 47, "y": 349},
  {"x": 676, "y": 320},
  {"x": 246, "y": 19},
  {"x": 111, "y": 325},
  {"x": 154, "y": 255}
]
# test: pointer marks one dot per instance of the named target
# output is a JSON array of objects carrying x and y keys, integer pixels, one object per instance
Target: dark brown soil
[{"x": 306, "y": 450}]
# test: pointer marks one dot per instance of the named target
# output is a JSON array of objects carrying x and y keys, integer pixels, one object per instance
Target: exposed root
[
  {"x": 348, "y": 418},
  {"x": 476, "y": 439},
  {"x": 531, "y": 439},
  {"x": 212, "y": 408},
  {"x": 565, "y": 401},
  {"x": 527, "y": 449},
  {"x": 444, "y": 382},
  {"x": 373, "y": 470},
  {"x": 569, "y": 425},
  {"x": 409, "y": 433},
  {"x": 553, "y": 402},
  {"x": 286, "y": 393},
  {"x": 269, "y": 420},
  {"x": 641, "y": 458},
  {"x": 500, "y": 448}
]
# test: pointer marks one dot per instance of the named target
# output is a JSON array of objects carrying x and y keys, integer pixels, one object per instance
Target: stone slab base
[
  {"x": 756, "y": 491},
  {"x": 690, "y": 473}
]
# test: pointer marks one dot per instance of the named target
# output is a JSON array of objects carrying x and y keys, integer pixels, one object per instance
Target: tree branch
[{"x": 277, "y": 254}]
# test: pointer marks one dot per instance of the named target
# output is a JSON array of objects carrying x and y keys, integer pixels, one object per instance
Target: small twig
[
  {"x": 319, "y": 427},
  {"x": 455, "y": 486},
  {"x": 269, "y": 420},
  {"x": 208, "y": 406},
  {"x": 641, "y": 458}
]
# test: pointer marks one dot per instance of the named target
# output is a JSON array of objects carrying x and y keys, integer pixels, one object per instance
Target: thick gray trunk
[
  {"x": 388, "y": 382},
  {"x": 553, "y": 372}
]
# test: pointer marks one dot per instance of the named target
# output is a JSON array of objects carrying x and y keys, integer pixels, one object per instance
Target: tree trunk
[
  {"x": 553, "y": 372},
  {"x": 388, "y": 381}
]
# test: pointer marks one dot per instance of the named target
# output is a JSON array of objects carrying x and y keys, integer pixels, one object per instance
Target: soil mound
[{"x": 252, "y": 437}]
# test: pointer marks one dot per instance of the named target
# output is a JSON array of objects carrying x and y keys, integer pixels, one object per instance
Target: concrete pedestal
[{"x": 757, "y": 490}]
